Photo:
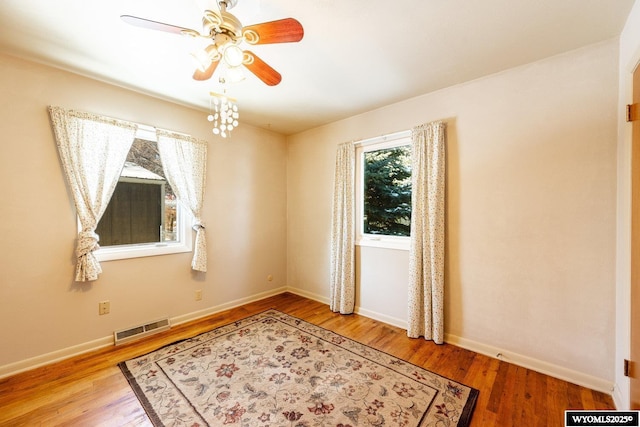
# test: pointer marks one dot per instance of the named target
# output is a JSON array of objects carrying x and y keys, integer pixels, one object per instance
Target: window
[
  {"x": 143, "y": 217},
  {"x": 383, "y": 189}
]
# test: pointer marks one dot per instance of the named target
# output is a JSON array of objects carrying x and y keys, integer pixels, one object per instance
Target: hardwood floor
[{"x": 90, "y": 390}]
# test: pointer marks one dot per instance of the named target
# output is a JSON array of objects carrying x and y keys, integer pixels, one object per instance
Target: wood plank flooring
[{"x": 90, "y": 390}]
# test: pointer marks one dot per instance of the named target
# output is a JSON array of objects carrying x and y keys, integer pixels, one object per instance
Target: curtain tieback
[
  {"x": 198, "y": 226},
  {"x": 87, "y": 243}
]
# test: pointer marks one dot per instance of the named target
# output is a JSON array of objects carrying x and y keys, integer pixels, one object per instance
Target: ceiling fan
[{"x": 225, "y": 33}]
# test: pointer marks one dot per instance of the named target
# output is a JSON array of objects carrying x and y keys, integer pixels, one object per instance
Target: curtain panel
[
  {"x": 426, "y": 253},
  {"x": 342, "y": 279},
  {"x": 184, "y": 160},
  {"x": 92, "y": 151}
]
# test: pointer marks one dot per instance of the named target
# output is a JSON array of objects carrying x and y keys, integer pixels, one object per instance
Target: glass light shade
[
  {"x": 235, "y": 74},
  {"x": 201, "y": 60},
  {"x": 233, "y": 55}
]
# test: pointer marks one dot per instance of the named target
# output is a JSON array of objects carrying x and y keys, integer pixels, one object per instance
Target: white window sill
[
  {"x": 401, "y": 243},
  {"x": 184, "y": 244},
  {"x": 112, "y": 253}
]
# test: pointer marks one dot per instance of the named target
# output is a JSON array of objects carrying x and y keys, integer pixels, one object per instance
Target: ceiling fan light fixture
[
  {"x": 233, "y": 55},
  {"x": 203, "y": 58},
  {"x": 222, "y": 29},
  {"x": 235, "y": 75},
  {"x": 200, "y": 60}
]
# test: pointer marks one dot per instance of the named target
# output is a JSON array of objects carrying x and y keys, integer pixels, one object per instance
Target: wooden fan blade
[
  {"x": 261, "y": 69},
  {"x": 154, "y": 25},
  {"x": 282, "y": 31},
  {"x": 206, "y": 74}
]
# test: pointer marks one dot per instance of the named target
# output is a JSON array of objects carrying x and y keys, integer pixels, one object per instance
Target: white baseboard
[
  {"x": 54, "y": 356},
  {"x": 76, "y": 350},
  {"x": 537, "y": 365},
  {"x": 560, "y": 372},
  {"x": 390, "y": 320},
  {"x": 618, "y": 400},
  {"x": 226, "y": 306},
  {"x": 310, "y": 295}
]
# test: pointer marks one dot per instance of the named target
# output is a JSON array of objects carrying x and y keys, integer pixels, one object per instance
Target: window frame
[
  {"x": 373, "y": 144},
  {"x": 183, "y": 244}
]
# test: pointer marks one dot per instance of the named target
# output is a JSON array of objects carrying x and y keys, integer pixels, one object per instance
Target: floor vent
[{"x": 140, "y": 331}]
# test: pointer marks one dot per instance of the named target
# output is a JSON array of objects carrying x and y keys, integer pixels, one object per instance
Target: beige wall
[
  {"x": 629, "y": 60},
  {"x": 41, "y": 309},
  {"x": 530, "y": 209}
]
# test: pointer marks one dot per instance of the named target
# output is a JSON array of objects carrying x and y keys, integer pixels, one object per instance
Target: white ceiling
[{"x": 356, "y": 55}]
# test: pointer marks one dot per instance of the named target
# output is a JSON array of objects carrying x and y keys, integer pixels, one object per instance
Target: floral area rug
[{"x": 273, "y": 369}]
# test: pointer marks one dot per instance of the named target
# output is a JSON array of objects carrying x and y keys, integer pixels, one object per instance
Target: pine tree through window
[
  {"x": 387, "y": 191},
  {"x": 383, "y": 191}
]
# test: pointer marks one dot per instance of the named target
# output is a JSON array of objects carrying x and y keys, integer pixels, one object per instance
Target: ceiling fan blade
[
  {"x": 281, "y": 31},
  {"x": 206, "y": 74},
  {"x": 261, "y": 69},
  {"x": 154, "y": 25}
]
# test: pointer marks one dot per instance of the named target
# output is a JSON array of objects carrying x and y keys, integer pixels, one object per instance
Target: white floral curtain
[
  {"x": 184, "y": 160},
  {"x": 426, "y": 256},
  {"x": 92, "y": 150},
  {"x": 342, "y": 285}
]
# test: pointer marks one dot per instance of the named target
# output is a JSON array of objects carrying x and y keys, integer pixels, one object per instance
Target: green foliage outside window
[{"x": 387, "y": 191}]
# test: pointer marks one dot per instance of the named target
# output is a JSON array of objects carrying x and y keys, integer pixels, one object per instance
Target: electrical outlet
[
  {"x": 198, "y": 294},
  {"x": 104, "y": 307}
]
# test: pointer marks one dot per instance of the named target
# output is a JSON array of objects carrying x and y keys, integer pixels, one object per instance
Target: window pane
[
  {"x": 143, "y": 206},
  {"x": 387, "y": 191}
]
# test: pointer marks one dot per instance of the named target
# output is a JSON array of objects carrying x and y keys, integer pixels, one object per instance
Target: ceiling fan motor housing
[{"x": 224, "y": 23}]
